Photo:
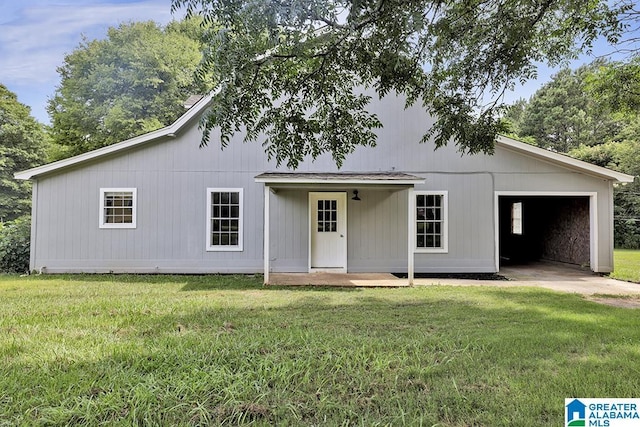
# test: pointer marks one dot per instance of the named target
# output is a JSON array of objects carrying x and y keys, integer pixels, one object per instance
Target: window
[
  {"x": 327, "y": 216},
  {"x": 118, "y": 208},
  {"x": 224, "y": 219},
  {"x": 516, "y": 218},
  {"x": 431, "y": 221}
]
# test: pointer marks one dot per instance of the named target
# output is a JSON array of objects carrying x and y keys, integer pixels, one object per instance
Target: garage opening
[{"x": 544, "y": 228}]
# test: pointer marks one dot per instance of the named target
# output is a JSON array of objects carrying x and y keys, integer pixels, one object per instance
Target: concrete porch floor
[
  {"x": 364, "y": 280},
  {"x": 558, "y": 277}
]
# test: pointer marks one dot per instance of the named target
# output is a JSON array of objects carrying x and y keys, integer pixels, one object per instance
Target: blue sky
[{"x": 35, "y": 35}]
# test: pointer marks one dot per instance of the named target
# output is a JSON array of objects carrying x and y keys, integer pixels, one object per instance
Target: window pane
[
  {"x": 225, "y": 218},
  {"x": 118, "y": 208},
  {"x": 429, "y": 221},
  {"x": 516, "y": 218},
  {"x": 333, "y": 226},
  {"x": 429, "y": 241}
]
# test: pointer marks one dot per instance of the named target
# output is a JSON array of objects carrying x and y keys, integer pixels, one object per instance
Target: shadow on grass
[{"x": 204, "y": 282}]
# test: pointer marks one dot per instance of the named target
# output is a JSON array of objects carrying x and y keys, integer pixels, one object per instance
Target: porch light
[{"x": 355, "y": 195}]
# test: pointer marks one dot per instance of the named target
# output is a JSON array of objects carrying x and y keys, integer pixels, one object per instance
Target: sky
[{"x": 35, "y": 36}]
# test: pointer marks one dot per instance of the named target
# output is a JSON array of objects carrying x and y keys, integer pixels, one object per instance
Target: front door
[{"x": 328, "y": 231}]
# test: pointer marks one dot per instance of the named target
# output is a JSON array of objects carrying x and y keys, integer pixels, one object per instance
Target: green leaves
[
  {"x": 15, "y": 242},
  {"x": 22, "y": 146},
  {"x": 563, "y": 114},
  {"x": 131, "y": 83},
  {"x": 296, "y": 66}
]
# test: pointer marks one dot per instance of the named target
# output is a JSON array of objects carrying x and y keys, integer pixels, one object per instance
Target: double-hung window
[
  {"x": 431, "y": 221},
  {"x": 224, "y": 219},
  {"x": 118, "y": 208}
]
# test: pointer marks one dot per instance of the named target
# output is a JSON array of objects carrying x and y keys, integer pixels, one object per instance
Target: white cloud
[{"x": 35, "y": 35}]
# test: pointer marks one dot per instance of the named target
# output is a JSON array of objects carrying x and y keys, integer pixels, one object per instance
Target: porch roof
[{"x": 351, "y": 178}]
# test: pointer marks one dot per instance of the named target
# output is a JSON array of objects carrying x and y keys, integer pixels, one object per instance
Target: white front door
[{"x": 328, "y": 231}]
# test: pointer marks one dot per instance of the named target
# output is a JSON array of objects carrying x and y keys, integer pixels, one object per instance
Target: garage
[{"x": 545, "y": 228}]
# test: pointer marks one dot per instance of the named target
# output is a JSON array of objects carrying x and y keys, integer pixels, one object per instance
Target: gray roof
[
  {"x": 399, "y": 178},
  {"x": 365, "y": 176}
]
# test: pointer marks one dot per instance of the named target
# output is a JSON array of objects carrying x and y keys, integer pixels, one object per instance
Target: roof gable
[
  {"x": 561, "y": 159},
  {"x": 200, "y": 106},
  {"x": 167, "y": 132}
]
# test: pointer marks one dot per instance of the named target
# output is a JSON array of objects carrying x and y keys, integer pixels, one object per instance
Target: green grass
[
  {"x": 626, "y": 265},
  {"x": 210, "y": 350}
]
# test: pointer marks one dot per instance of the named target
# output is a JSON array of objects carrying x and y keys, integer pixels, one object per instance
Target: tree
[
  {"x": 130, "y": 83},
  {"x": 622, "y": 153},
  {"x": 22, "y": 146},
  {"x": 617, "y": 85},
  {"x": 562, "y": 114},
  {"x": 456, "y": 58}
]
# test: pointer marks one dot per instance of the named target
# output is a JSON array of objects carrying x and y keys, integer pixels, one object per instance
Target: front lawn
[
  {"x": 209, "y": 350},
  {"x": 626, "y": 265}
]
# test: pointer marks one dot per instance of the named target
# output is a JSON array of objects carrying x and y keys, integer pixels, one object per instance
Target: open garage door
[{"x": 549, "y": 228}]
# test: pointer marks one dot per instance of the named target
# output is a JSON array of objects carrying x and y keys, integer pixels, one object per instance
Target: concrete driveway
[{"x": 558, "y": 277}]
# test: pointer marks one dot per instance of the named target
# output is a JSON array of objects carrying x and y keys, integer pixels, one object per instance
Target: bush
[{"x": 14, "y": 245}]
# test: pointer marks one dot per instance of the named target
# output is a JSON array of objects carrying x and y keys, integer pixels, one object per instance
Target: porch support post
[
  {"x": 266, "y": 234},
  {"x": 411, "y": 223}
]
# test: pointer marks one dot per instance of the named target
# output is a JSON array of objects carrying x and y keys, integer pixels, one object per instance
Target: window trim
[
  {"x": 221, "y": 248},
  {"x": 134, "y": 208},
  {"x": 444, "y": 248}
]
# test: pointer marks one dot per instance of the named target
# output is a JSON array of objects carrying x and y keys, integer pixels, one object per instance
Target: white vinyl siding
[
  {"x": 224, "y": 219},
  {"x": 431, "y": 221},
  {"x": 118, "y": 208}
]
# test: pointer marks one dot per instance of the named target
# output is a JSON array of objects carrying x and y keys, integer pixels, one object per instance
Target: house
[
  {"x": 576, "y": 411},
  {"x": 158, "y": 203}
]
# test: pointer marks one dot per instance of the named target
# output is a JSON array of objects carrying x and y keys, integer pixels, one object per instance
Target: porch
[{"x": 359, "y": 280}]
